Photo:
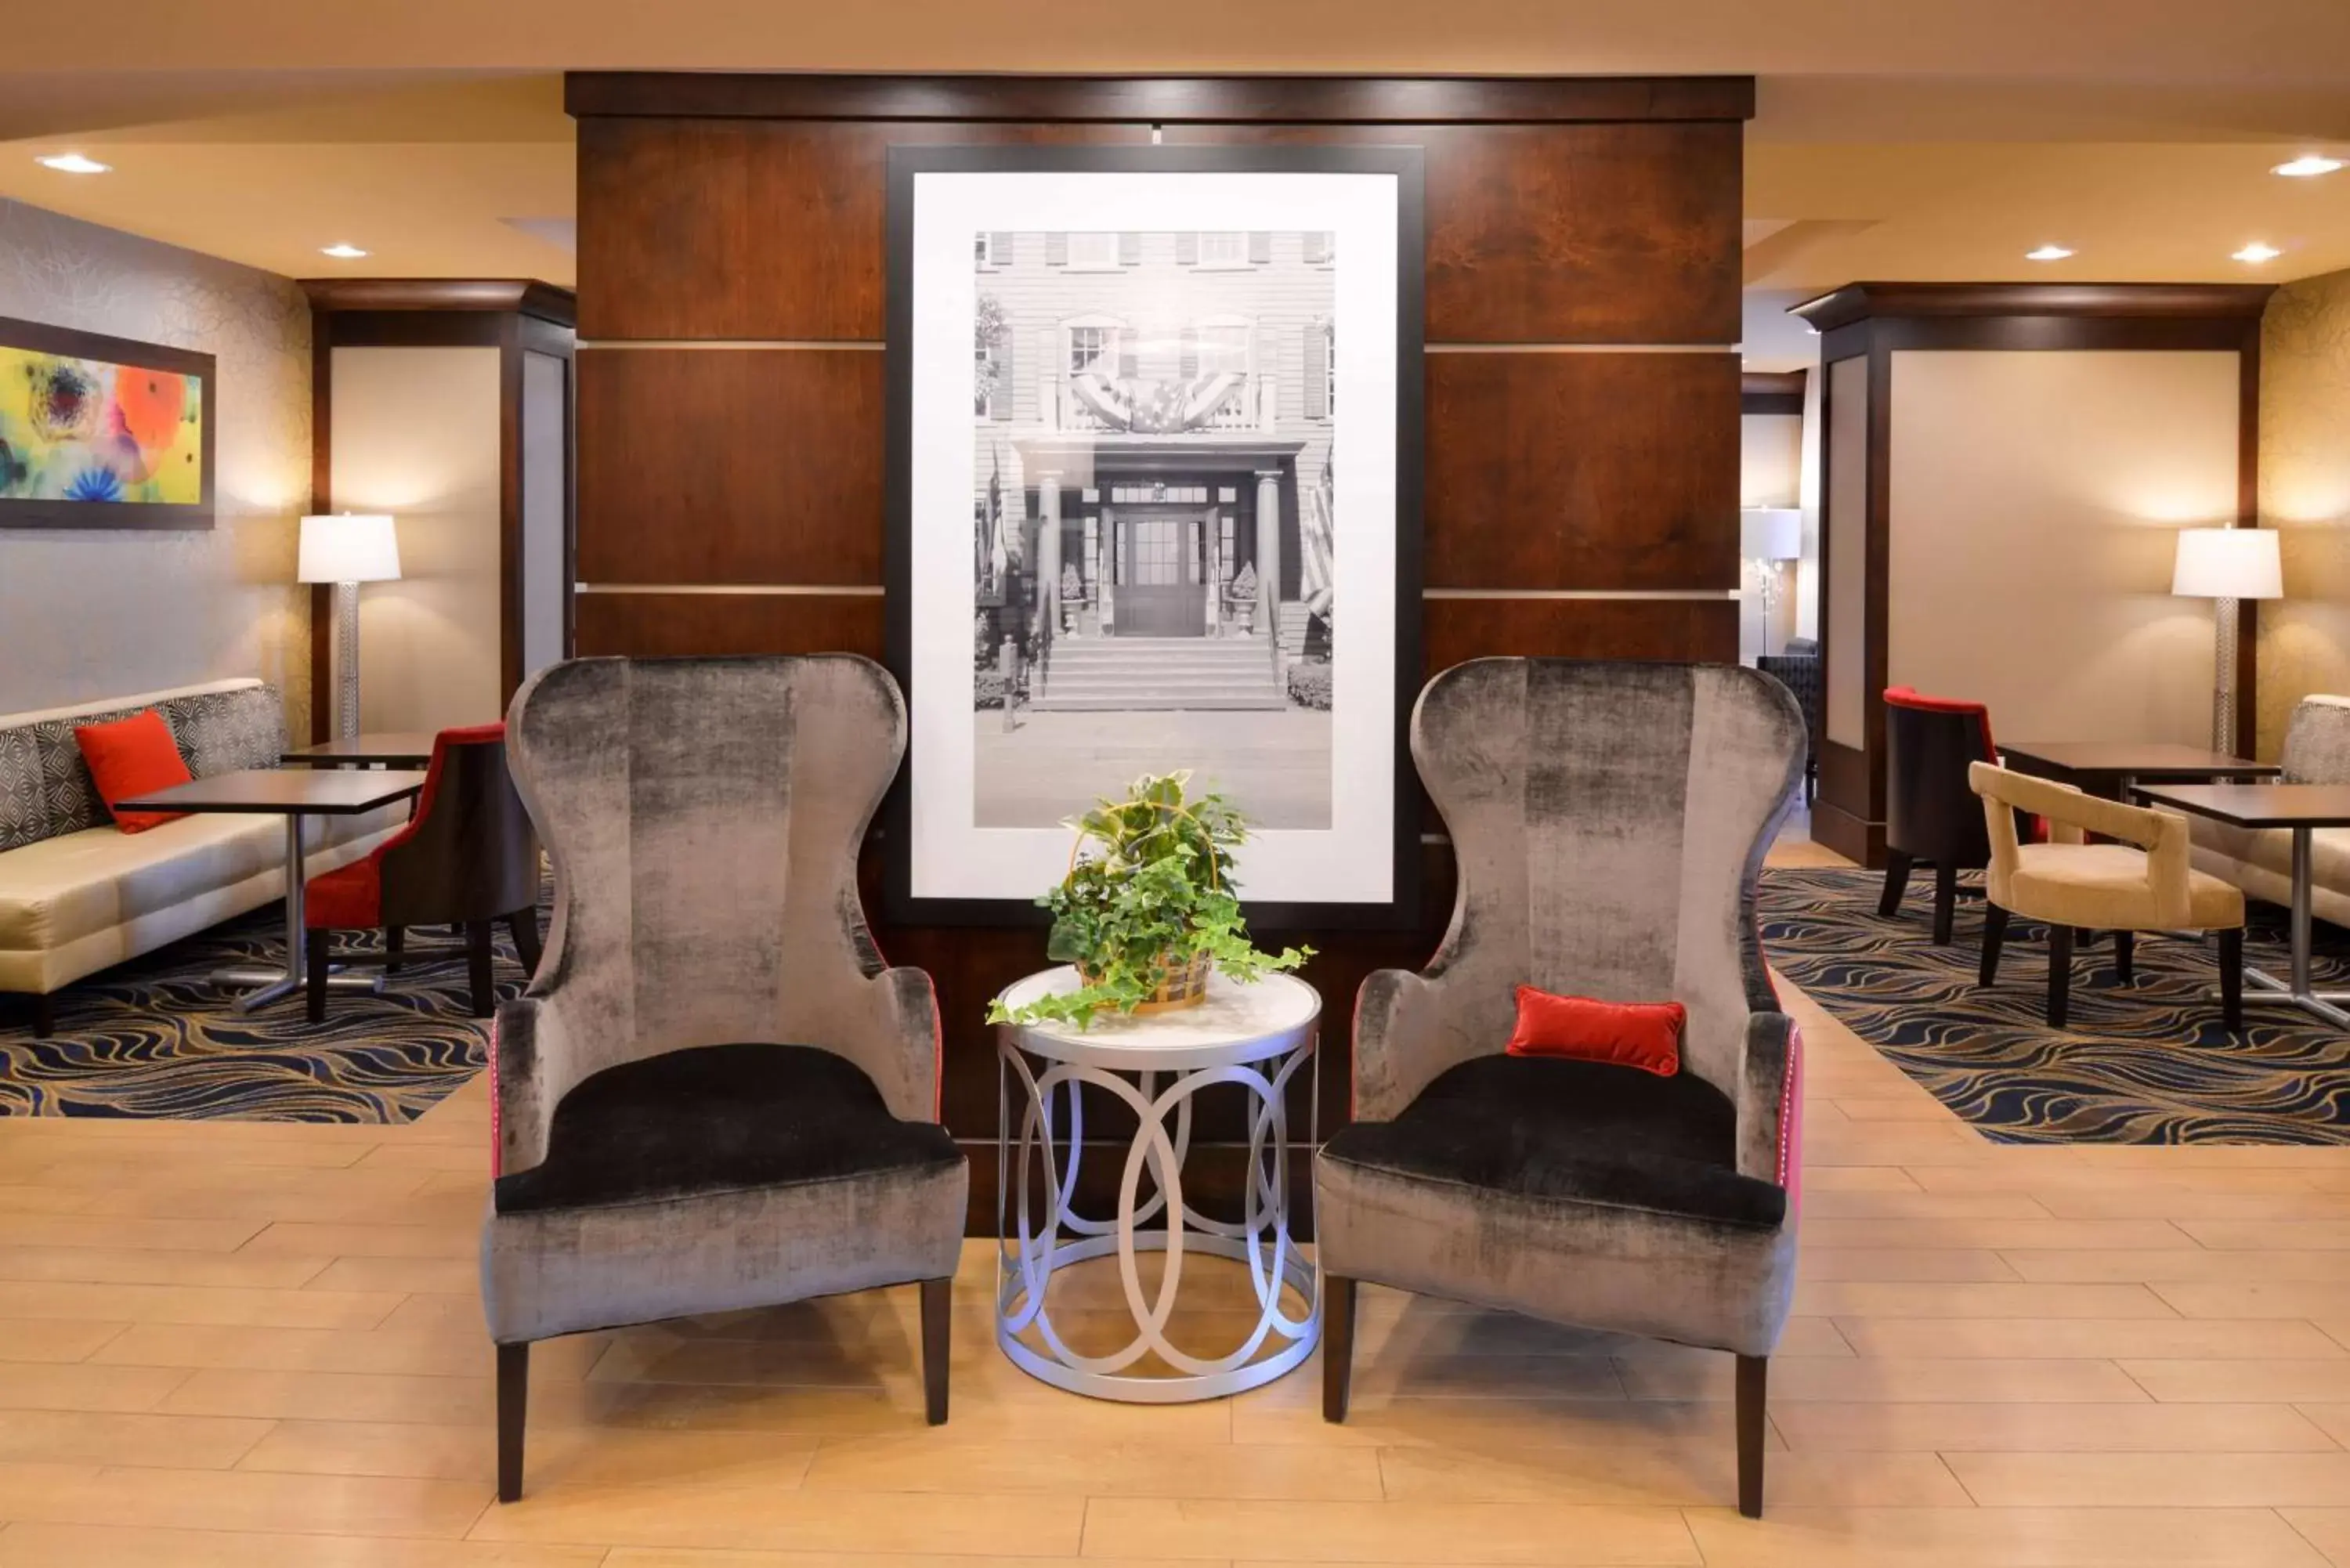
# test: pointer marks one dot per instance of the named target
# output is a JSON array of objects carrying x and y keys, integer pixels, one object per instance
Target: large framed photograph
[
  {"x": 102, "y": 432},
  {"x": 1155, "y": 497}
]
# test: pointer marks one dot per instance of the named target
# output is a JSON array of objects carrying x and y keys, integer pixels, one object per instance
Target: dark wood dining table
[
  {"x": 297, "y": 794},
  {"x": 2112, "y": 768},
  {"x": 2299, "y": 809},
  {"x": 382, "y": 749}
]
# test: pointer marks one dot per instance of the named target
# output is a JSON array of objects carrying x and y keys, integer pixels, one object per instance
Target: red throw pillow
[
  {"x": 131, "y": 757},
  {"x": 1643, "y": 1034}
]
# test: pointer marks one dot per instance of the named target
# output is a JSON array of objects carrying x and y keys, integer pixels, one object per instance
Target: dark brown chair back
[
  {"x": 471, "y": 854},
  {"x": 1932, "y": 812}
]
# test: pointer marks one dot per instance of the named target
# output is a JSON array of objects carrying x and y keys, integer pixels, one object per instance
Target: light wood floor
[{"x": 245, "y": 1344}]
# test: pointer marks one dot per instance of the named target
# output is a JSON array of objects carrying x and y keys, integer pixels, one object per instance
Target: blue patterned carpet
[
  {"x": 155, "y": 1038},
  {"x": 2142, "y": 1064}
]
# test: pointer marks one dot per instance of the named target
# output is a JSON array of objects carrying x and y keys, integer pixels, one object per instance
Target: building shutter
[
  {"x": 1187, "y": 247},
  {"x": 1129, "y": 248},
  {"x": 1056, "y": 249},
  {"x": 1318, "y": 245},
  {"x": 1259, "y": 246},
  {"x": 1007, "y": 381},
  {"x": 999, "y": 248},
  {"x": 1317, "y": 371},
  {"x": 1188, "y": 364}
]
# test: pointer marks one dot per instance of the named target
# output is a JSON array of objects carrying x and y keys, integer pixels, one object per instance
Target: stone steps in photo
[{"x": 1110, "y": 674}]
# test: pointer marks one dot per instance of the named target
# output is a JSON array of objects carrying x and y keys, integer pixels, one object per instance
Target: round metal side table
[{"x": 1258, "y": 1036}]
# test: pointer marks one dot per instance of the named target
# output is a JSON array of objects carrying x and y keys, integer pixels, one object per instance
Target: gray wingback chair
[
  {"x": 714, "y": 1096},
  {"x": 1608, "y": 820}
]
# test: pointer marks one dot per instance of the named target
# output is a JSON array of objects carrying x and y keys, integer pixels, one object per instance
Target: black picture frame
[
  {"x": 16, "y": 512},
  {"x": 1405, "y": 164}
]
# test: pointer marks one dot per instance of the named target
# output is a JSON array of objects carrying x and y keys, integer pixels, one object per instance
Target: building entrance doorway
[{"x": 1158, "y": 571}]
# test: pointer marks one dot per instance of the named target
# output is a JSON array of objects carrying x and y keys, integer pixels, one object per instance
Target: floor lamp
[
  {"x": 2226, "y": 565},
  {"x": 348, "y": 549}
]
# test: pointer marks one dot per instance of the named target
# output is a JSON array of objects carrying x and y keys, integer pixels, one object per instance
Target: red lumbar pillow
[
  {"x": 131, "y": 757},
  {"x": 1643, "y": 1034}
]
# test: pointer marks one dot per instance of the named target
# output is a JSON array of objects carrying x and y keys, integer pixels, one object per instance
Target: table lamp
[
  {"x": 348, "y": 549},
  {"x": 2226, "y": 565}
]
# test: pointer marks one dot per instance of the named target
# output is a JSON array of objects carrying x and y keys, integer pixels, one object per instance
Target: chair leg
[
  {"x": 2060, "y": 975},
  {"x": 1337, "y": 1345},
  {"x": 523, "y": 925},
  {"x": 1897, "y": 882},
  {"x": 1994, "y": 935},
  {"x": 938, "y": 1318},
  {"x": 1946, "y": 898},
  {"x": 2126, "y": 957},
  {"x": 317, "y": 960},
  {"x": 2232, "y": 978},
  {"x": 45, "y": 1016},
  {"x": 1753, "y": 1378},
  {"x": 395, "y": 948},
  {"x": 477, "y": 966},
  {"x": 513, "y": 1398}
]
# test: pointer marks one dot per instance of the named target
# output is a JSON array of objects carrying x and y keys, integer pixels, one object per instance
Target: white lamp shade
[
  {"x": 2228, "y": 563},
  {"x": 1771, "y": 534},
  {"x": 348, "y": 548}
]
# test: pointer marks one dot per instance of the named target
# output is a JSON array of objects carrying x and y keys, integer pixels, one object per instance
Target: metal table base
[
  {"x": 270, "y": 983},
  {"x": 1261, "y": 1239}
]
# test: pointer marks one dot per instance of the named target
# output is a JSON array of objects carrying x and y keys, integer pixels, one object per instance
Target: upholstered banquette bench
[
  {"x": 77, "y": 894},
  {"x": 2259, "y": 860}
]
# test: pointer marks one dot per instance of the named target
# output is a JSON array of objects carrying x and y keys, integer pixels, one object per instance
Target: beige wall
[
  {"x": 1770, "y": 459},
  {"x": 416, "y": 435},
  {"x": 2035, "y": 500},
  {"x": 89, "y": 614},
  {"x": 2305, "y": 495}
]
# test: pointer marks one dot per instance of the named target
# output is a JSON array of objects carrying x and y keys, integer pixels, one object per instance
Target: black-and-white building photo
[{"x": 1152, "y": 518}]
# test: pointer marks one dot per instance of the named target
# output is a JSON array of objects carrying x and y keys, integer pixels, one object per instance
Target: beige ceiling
[{"x": 1932, "y": 138}]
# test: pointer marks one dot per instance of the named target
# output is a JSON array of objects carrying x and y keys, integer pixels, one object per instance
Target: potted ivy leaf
[{"x": 1148, "y": 908}]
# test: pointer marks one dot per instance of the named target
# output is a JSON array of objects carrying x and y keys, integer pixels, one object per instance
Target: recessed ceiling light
[
  {"x": 2308, "y": 166},
  {"x": 2257, "y": 252},
  {"x": 73, "y": 163},
  {"x": 2047, "y": 252},
  {"x": 341, "y": 252}
]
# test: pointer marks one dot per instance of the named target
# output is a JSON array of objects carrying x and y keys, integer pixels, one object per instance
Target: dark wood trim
[
  {"x": 322, "y": 502},
  {"x": 1159, "y": 100},
  {"x": 511, "y": 316},
  {"x": 2248, "y": 515},
  {"x": 42, "y": 337},
  {"x": 1771, "y": 392},
  {"x": 2064, "y": 301},
  {"x": 527, "y": 297},
  {"x": 409, "y": 329},
  {"x": 1878, "y": 320}
]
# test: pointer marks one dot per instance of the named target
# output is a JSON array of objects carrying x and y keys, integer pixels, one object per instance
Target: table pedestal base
[
  {"x": 2261, "y": 986},
  {"x": 269, "y": 983}
]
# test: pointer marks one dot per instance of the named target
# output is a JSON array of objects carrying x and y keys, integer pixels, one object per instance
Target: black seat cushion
[
  {"x": 718, "y": 1118},
  {"x": 1589, "y": 1132}
]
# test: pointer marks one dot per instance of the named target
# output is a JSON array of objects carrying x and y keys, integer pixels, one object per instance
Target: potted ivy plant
[{"x": 1148, "y": 908}]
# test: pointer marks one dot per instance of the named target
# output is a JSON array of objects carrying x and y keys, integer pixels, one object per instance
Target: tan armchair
[{"x": 2142, "y": 883}]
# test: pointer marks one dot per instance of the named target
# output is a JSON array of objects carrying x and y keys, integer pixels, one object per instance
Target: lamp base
[
  {"x": 2223, "y": 685},
  {"x": 346, "y": 660}
]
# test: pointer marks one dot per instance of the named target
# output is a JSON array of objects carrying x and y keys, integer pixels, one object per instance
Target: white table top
[{"x": 1236, "y": 1023}]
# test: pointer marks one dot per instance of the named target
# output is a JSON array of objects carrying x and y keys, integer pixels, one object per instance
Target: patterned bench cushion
[{"x": 45, "y": 788}]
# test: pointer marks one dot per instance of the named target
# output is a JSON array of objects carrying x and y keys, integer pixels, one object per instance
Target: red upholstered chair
[
  {"x": 1931, "y": 814},
  {"x": 467, "y": 858}
]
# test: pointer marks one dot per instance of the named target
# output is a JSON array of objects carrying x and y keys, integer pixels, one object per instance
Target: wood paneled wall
[{"x": 1582, "y": 385}]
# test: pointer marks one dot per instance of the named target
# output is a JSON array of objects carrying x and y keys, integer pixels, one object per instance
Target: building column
[
  {"x": 1048, "y": 554},
  {"x": 1210, "y": 542},
  {"x": 1268, "y": 560},
  {"x": 1108, "y": 600}
]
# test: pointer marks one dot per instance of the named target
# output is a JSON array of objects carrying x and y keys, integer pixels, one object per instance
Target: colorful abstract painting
[{"x": 96, "y": 423}]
